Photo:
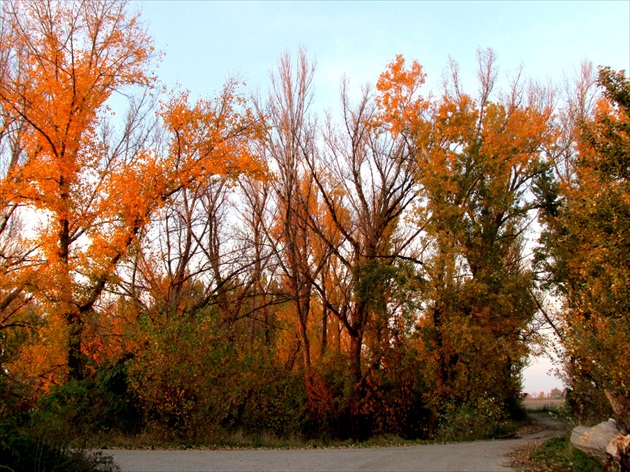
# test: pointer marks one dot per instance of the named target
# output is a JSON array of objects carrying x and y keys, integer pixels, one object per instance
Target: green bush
[
  {"x": 88, "y": 408},
  {"x": 274, "y": 404},
  {"x": 25, "y": 451},
  {"x": 395, "y": 398},
  {"x": 195, "y": 382},
  {"x": 28, "y": 445},
  {"x": 468, "y": 422}
]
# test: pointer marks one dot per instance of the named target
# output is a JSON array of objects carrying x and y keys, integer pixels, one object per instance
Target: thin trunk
[
  {"x": 71, "y": 315},
  {"x": 75, "y": 357},
  {"x": 357, "y": 428},
  {"x": 324, "y": 345},
  {"x": 303, "y": 307}
]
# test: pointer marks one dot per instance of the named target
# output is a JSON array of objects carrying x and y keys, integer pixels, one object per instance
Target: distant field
[{"x": 542, "y": 403}]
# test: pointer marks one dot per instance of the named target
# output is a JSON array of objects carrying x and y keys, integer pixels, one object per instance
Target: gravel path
[{"x": 483, "y": 456}]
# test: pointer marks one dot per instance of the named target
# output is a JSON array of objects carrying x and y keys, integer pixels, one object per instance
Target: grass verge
[
  {"x": 225, "y": 440},
  {"x": 554, "y": 455},
  {"x": 239, "y": 440}
]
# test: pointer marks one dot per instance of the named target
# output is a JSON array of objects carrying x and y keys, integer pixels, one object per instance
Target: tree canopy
[{"x": 238, "y": 263}]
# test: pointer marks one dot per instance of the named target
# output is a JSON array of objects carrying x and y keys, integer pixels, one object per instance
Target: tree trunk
[
  {"x": 76, "y": 369},
  {"x": 72, "y": 317},
  {"x": 324, "y": 344},
  {"x": 358, "y": 430}
]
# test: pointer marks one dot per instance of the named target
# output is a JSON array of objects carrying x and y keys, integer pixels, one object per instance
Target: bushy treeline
[{"x": 242, "y": 266}]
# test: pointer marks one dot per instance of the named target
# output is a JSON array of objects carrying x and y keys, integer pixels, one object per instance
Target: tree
[
  {"x": 65, "y": 61},
  {"x": 287, "y": 145},
  {"x": 96, "y": 195},
  {"x": 262, "y": 278},
  {"x": 185, "y": 265},
  {"x": 587, "y": 253},
  {"x": 477, "y": 165},
  {"x": 365, "y": 179}
]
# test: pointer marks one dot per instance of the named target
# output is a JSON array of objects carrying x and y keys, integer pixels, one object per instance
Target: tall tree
[
  {"x": 477, "y": 167},
  {"x": 186, "y": 265},
  {"x": 587, "y": 253},
  {"x": 65, "y": 61},
  {"x": 289, "y": 143},
  {"x": 95, "y": 195},
  {"x": 365, "y": 177}
]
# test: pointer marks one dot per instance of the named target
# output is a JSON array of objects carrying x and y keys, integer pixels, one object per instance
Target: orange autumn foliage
[
  {"x": 93, "y": 194},
  {"x": 398, "y": 101},
  {"x": 211, "y": 137},
  {"x": 586, "y": 254},
  {"x": 66, "y": 60}
]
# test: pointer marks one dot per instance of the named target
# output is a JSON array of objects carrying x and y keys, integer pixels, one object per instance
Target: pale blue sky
[{"x": 206, "y": 41}]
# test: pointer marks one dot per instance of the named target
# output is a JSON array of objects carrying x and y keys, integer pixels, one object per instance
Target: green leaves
[{"x": 587, "y": 244}]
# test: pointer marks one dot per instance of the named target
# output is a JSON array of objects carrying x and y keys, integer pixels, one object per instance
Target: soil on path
[{"x": 483, "y": 456}]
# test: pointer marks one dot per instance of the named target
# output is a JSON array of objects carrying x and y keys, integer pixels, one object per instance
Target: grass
[
  {"x": 225, "y": 440},
  {"x": 558, "y": 455},
  {"x": 240, "y": 440}
]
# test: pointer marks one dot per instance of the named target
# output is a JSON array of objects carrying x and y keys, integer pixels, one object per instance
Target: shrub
[
  {"x": 467, "y": 421},
  {"x": 193, "y": 381},
  {"x": 86, "y": 408},
  {"x": 27, "y": 444}
]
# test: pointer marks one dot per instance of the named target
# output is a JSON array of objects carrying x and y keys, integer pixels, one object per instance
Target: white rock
[{"x": 594, "y": 441}]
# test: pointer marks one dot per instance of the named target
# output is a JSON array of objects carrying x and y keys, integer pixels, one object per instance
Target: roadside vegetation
[{"x": 558, "y": 455}]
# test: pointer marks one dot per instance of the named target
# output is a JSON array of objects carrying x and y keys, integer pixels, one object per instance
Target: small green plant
[
  {"x": 557, "y": 454},
  {"x": 40, "y": 435}
]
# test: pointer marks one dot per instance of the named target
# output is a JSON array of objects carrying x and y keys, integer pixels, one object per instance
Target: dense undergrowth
[
  {"x": 53, "y": 432},
  {"x": 38, "y": 438}
]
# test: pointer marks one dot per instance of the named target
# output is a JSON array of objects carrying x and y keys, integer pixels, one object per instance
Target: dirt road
[{"x": 473, "y": 456}]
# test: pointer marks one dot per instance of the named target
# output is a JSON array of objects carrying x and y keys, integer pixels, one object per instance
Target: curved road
[{"x": 472, "y": 456}]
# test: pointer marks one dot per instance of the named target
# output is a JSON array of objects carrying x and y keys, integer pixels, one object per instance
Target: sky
[{"x": 205, "y": 42}]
